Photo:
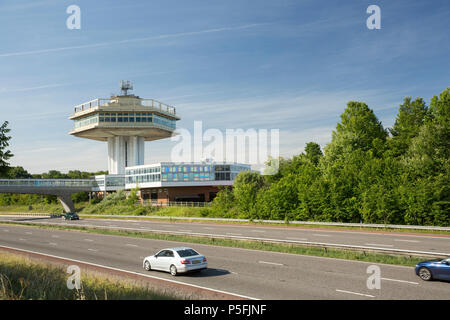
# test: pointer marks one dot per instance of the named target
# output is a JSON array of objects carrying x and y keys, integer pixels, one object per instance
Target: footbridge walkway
[{"x": 62, "y": 188}]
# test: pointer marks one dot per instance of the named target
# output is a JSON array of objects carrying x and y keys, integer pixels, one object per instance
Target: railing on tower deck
[
  {"x": 150, "y": 103},
  {"x": 48, "y": 182}
]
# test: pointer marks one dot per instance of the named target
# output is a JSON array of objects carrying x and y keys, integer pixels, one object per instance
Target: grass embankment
[
  {"x": 365, "y": 256},
  {"x": 40, "y": 208},
  {"x": 186, "y": 212},
  {"x": 116, "y": 203},
  {"x": 24, "y": 279}
]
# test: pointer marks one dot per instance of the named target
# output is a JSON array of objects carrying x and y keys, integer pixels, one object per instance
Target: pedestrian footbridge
[{"x": 62, "y": 188}]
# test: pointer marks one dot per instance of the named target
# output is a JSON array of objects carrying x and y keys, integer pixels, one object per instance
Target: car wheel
[
  {"x": 425, "y": 274},
  {"x": 147, "y": 265},
  {"x": 173, "y": 270}
]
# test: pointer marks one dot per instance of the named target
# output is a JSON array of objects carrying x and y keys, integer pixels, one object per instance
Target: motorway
[
  {"x": 430, "y": 243},
  {"x": 251, "y": 273}
]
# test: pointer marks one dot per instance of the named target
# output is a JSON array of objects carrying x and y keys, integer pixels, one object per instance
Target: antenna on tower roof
[{"x": 126, "y": 85}]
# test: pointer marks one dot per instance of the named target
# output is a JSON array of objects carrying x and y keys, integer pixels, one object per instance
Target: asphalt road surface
[
  {"x": 432, "y": 243},
  {"x": 255, "y": 274}
]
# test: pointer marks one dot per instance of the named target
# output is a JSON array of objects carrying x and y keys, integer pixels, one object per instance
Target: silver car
[{"x": 176, "y": 260}]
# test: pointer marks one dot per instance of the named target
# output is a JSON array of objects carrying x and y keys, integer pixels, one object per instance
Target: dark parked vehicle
[
  {"x": 438, "y": 269},
  {"x": 70, "y": 216}
]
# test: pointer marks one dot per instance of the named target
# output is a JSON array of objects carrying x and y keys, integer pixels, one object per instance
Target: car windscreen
[{"x": 187, "y": 253}]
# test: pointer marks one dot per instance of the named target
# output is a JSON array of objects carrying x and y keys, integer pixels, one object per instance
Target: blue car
[{"x": 434, "y": 270}]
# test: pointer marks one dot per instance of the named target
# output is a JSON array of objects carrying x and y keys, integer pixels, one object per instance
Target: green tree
[
  {"x": 379, "y": 181},
  {"x": 426, "y": 195},
  {"x": 429, "y": 152},
  {"x": 245, "y": 189},
  {"x": 359, "y": 129},
  {"x": 410, "y": 118},
  {"x": 5, "y": 154},
  {"x": 133, "y": 196},
  {"x": 18, "y": 173},
  {"x": 358, "y": 138},
  {"x": 224, "y": 204},
  {"x": 313, "y": 152}
]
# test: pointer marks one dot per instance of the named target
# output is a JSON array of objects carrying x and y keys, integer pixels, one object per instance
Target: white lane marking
[
  {"x": 321, "y": 235},
  {"x": 90, "y": 240},
  {"x": 395, "y": 280},
  {"x": 267, "y": 239},
  {"x": 184, "y": 230},
  {"x": 208, "y": 228},
  {"x": 28, "y": 232},
  {"x": 356, "y": 293},
  {"x": 234, "y": 234},
  {"x": 136, "y": 273},
  {"x": 6, "y": 230},
  {"x": 272, "y": 228},
  {"x": 414, "y": 241},
  {"x": 301, "y": 239},
  {"x": 274, "y": 263},
  {"x": 95, "y": 250},
  {"x": 258, "y": 231},
  {"x": 53, "y": 236},
  {"x": 21, "y": 239},
  {"x": 132, "y": 245},
  {"x": 53, "y": 244},
  {"x": 377, "y": 244}
]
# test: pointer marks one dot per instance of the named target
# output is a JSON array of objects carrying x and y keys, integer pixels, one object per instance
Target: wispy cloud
[
  {"x": 157, "y": 37},
  {"x": 4, "y": 90}
]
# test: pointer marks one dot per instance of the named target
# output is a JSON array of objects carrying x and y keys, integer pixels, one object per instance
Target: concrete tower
[{"x": 125, "y": 122}]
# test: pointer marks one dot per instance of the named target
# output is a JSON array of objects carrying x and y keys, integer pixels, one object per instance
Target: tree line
[
  {"x": 18, "y": 172},
  {"x": 367, "y": 173}
]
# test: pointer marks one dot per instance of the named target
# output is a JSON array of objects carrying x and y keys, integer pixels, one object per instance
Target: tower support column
[
  {"x": 141, "y": 153},
  {"x": 119, "y": 155},
  {"x": 111, "y": 155}
]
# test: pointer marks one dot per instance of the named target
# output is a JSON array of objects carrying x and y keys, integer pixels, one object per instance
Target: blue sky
[{"x": 285, "y": 64}]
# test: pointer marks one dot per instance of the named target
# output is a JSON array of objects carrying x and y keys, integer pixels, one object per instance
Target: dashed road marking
[
  {"x": 378, "y": 244},
  {"x": 403, "y": 281},
  {"x": 355, "y": 293},
  {"x": 273, "y": 263}
]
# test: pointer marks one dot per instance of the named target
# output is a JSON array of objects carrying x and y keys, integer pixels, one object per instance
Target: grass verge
[
  {"x": 24, "y": 279},
  {"x": 248, "y": 244},
  {"x": 257, "y": 223},
  {"x": 119, "y": 210}
]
